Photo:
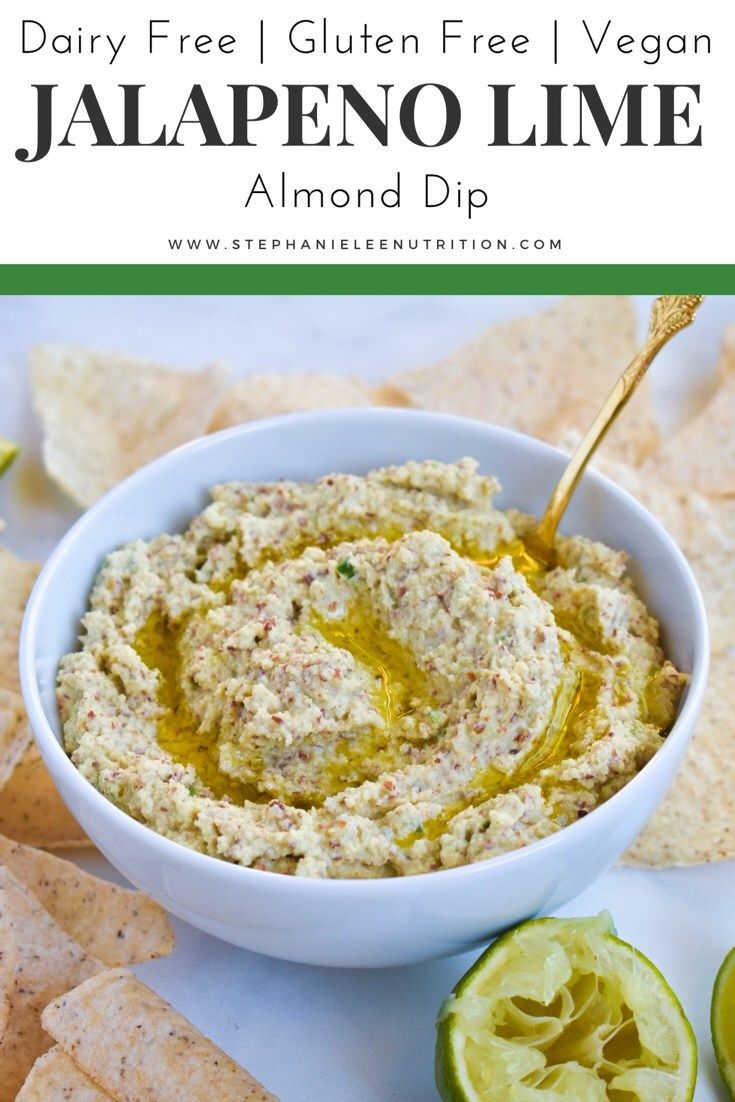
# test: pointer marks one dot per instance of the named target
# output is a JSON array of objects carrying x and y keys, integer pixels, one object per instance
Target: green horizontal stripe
[{"x": 365, "y": 279}]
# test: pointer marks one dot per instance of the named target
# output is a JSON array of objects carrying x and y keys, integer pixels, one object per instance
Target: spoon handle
[{"x": 669, "y": 314}]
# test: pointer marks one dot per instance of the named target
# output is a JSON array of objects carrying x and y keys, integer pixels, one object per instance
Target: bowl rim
[{"x": 50, "y": 745}]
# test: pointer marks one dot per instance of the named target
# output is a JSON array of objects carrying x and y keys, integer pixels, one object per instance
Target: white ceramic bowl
[{"x": 358, "y": 922}]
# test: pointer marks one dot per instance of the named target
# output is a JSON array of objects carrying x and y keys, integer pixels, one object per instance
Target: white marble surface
[{"x": 317, "y": 1034}]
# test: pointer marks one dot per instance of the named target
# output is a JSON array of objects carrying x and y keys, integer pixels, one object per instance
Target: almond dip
[{"x": 363, "y": 677}]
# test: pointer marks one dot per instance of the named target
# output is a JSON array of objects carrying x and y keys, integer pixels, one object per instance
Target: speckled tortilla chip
[
  {"x": 544, "y": 374},
  {"x": 31, "y": 810},
  {"x": 710, "y": 549},
  {"x": 132, "y": 1043},
  {"x": 15, "y": 734},
  {"x": 114, "y": 924},
  {"x": 272, "y": 395},
  {"x": 16, "y": 582},
  {"x": 388, "y": 394},
  {"x": 47, "y": 964},
  {"x": 704, "y": 529},
  {"x": 8, "y": 964},
  {"x": 55, "y": 1077},
  {"x": 695, "y": 824},
  {"x": 105, "y": 415},
  {"x": 701, "y": 456}
]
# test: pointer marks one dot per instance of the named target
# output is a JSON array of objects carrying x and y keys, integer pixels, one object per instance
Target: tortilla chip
[
  {"x": 54, "y": 1077},
  {"x": 47, "y": 964},
  {"x": 704, "y": 529},
  {"x": 545, "y": 373},
  {"x": 8, "y": 964},
  {"x": 702, "y": 454},
  {"x": 116, "y": 925},
  {"x": 272, "y": 395},
  {"x": 388, "y": 394},
  {"x": 104, "y": 415},
  {"x": 31, "y": 810},
  {"x": 15, "y": 734},
  {"x": 695, "y": 824},
  {"x": 132, "y": 1043},
  {"x": 711, "y": 553},
  {"x": 16, "y": 582}
]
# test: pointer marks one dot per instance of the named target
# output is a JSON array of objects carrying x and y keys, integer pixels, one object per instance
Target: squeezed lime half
[
  {"x": 722, "y": 1021},
  {"x": 562, "y": 1010}
]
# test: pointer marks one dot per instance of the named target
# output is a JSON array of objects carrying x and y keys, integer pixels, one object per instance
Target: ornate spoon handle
[{"x": 669, "y": 315}]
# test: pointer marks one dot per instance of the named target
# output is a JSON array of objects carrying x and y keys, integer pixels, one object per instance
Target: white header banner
[{"x": 385, "y": 133}]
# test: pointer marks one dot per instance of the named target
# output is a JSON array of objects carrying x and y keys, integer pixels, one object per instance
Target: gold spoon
[{"x": 669, "y": 314}]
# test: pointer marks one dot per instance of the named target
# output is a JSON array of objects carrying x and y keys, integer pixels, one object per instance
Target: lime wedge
[
  {"x": 722, "y": 1021},
  {"x": 8, "y": 452},
  {"x": 562, "y": 1010}
]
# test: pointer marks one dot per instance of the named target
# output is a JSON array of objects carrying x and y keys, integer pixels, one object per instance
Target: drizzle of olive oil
[
  {"x": 177, "y": 730},
  {"x": 399, "y": 683},
  {"x": 583, "y": 632},
  {"x": 575, "y": 697},
  {"x": 650, "y": 706},
  {"x": 399, "y": 690},
  {"x": 524, "y": 561},
  {"x": 222, "y": 585},
  {"x": 527, "y": 564},
  {"x": 292, "y": 548}
]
